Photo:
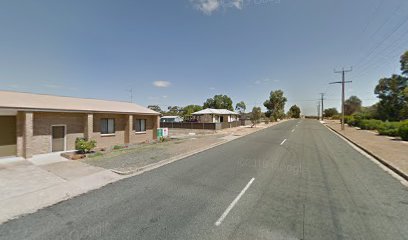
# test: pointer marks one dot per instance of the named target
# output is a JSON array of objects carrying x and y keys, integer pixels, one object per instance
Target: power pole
[
  {"x": 322, "y": 99},
  {"x": 343, "y": 83},
  {"x": 318, "y": 110}
]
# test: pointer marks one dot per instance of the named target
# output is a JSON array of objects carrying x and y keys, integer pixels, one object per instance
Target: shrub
[
  {"x": 117, "y": 147},
  {"x": 389, "y": 129},
  {"x": 347, "y": 119},
  {"x": 84, "y": 145},
  {"x": 267, "y": 120},
  {"x": 403, "y": 131},
  {"x": 370, "y": 124}
]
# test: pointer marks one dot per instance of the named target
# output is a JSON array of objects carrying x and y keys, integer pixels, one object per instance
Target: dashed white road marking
[
  {"x": 283, "y": 141},
  {"x": 293, "y": 130},
  {"x": 219, "y": 221}
]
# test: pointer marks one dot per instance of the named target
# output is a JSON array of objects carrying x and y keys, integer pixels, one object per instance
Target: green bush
[
  {"x": 117, "y": 147},
  {"x": 350, "y": 120},
  {"x": 403, "y": 130},
  {"x": 389, "y": 129},
  {"x": 370, "y": 124},
  {"x": 84, "y": 145}
]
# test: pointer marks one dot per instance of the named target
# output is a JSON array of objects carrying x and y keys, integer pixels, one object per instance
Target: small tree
[
  {"x": 256, "y": 115},
  {"x": 294, "y": 112},
  {"x": 83, "y": 145},
  {"x": 276, "y": 105},
  {"x": 330, "y": 112},
  {"x": 352, "y": 105},
  {"x": 240, "y": 107}
]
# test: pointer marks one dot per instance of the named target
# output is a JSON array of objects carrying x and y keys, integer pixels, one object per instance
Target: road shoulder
[{"x": 390, "y": 153}]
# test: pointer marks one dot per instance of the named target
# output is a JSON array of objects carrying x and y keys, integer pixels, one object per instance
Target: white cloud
[
  {"x": 209, "y": 6},
  {"x": 238, "y": 3},
  {"x": 161, "y": 84}
]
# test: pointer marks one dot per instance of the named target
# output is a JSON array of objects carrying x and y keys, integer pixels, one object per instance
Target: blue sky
[{"x": 182, "y": 52}]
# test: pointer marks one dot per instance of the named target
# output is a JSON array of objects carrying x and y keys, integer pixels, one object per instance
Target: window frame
[
  {"x": 108, "y": 133},
  {"x": 137, "y": 123}
]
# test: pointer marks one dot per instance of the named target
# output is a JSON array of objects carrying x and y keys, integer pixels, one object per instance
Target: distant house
[
  {"x": 35, "y": 124},
  {"x": 171, "y": 119},
  {"x": 210, "y": 115}
]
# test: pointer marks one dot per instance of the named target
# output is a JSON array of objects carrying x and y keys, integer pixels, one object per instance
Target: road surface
[{"x": 296, "y": 180}]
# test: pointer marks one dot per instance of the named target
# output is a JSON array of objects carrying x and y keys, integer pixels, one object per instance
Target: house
[
  {"x": 35, "y": 124},
  {"x": 210, "y": 115},
  {"x": 171, "y": 119}
]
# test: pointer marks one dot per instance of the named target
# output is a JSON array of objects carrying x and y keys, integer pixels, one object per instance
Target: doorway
[
  {"x": 58, "y": 138},
  {"x": 8, "y": 136}
]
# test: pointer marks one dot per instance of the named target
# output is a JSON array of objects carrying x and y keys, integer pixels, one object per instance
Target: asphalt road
[{"x": 311, "y": 186}]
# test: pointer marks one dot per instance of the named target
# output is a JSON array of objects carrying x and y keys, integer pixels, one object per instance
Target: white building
[
  {"x": 210, "y": 115},
  {"x": 171, "y": 119}
]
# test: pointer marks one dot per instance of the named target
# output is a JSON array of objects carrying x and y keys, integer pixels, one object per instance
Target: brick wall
[
  {"x": 34, "y": 133},
  {"x": 41, "y": 140},
  {"x": 148, "y": 135}
]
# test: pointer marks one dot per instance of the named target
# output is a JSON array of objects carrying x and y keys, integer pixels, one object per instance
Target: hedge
[
  {"x": 389, "y": 129},
  {"x": 403, "y": 131},
  {"x": 393, "y": 129}
]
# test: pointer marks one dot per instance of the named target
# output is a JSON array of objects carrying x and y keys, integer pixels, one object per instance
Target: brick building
[{"x": 33, "y": 124}]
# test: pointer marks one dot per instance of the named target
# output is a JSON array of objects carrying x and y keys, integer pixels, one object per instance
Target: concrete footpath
[
  {"x": 29, "y": 185},
  {"x": 392, "y": 152}
]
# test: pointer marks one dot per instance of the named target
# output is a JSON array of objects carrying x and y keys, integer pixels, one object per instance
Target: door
[{"x": 58, "y": 138}]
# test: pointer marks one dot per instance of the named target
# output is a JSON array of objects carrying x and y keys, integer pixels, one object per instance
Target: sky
[{"x": 182, "y": 52}]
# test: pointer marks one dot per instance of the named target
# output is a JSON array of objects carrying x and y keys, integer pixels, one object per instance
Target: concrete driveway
[{"x": 28, "y": 185}]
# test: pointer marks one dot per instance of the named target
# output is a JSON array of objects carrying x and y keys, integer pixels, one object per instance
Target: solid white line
[
  {"x": 219, "y": 221},
  {"x": 283, "y": 142}
]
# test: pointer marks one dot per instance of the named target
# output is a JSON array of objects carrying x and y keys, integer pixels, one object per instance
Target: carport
[{"x": 8, "y": 133}]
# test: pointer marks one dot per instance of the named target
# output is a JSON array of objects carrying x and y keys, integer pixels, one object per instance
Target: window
[
  {"x": 140, "y": 125},
  {"x": 107, "y": 126}
]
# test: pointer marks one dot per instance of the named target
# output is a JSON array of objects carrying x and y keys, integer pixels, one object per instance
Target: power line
[{"x": 381, "y": 42}]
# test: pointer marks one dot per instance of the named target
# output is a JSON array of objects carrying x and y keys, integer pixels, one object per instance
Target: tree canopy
[
  {"x": 352, "y": 105},
  {"x": 330, "y": 112},
  {"x": 404, "y": 63},
  {"x": 275, "y": 105},
  {"x": 240, "y": 107},
  {"x": 294, "y": 112},
  {"x": 393, "y": 100},
  {"x": 174, "y": 111},
  {"x": 155, "y": 108},
  {"x": 256, "y": 115},
  {"x": 189, "y": 109},
  {"x": 219, "y": 102}
]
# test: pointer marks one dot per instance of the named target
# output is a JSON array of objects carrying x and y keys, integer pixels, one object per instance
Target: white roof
[
  {"x": 171, "y": 117},
  {"x": 215, "y": 111},
  {"x": 31, "y": 101}
]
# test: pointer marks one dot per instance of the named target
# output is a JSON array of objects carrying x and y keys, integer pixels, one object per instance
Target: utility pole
[
  {"x": 322, "y": 99},
  {"x": 318, "y": 110},
  {"x": 343, "y": 83}
]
